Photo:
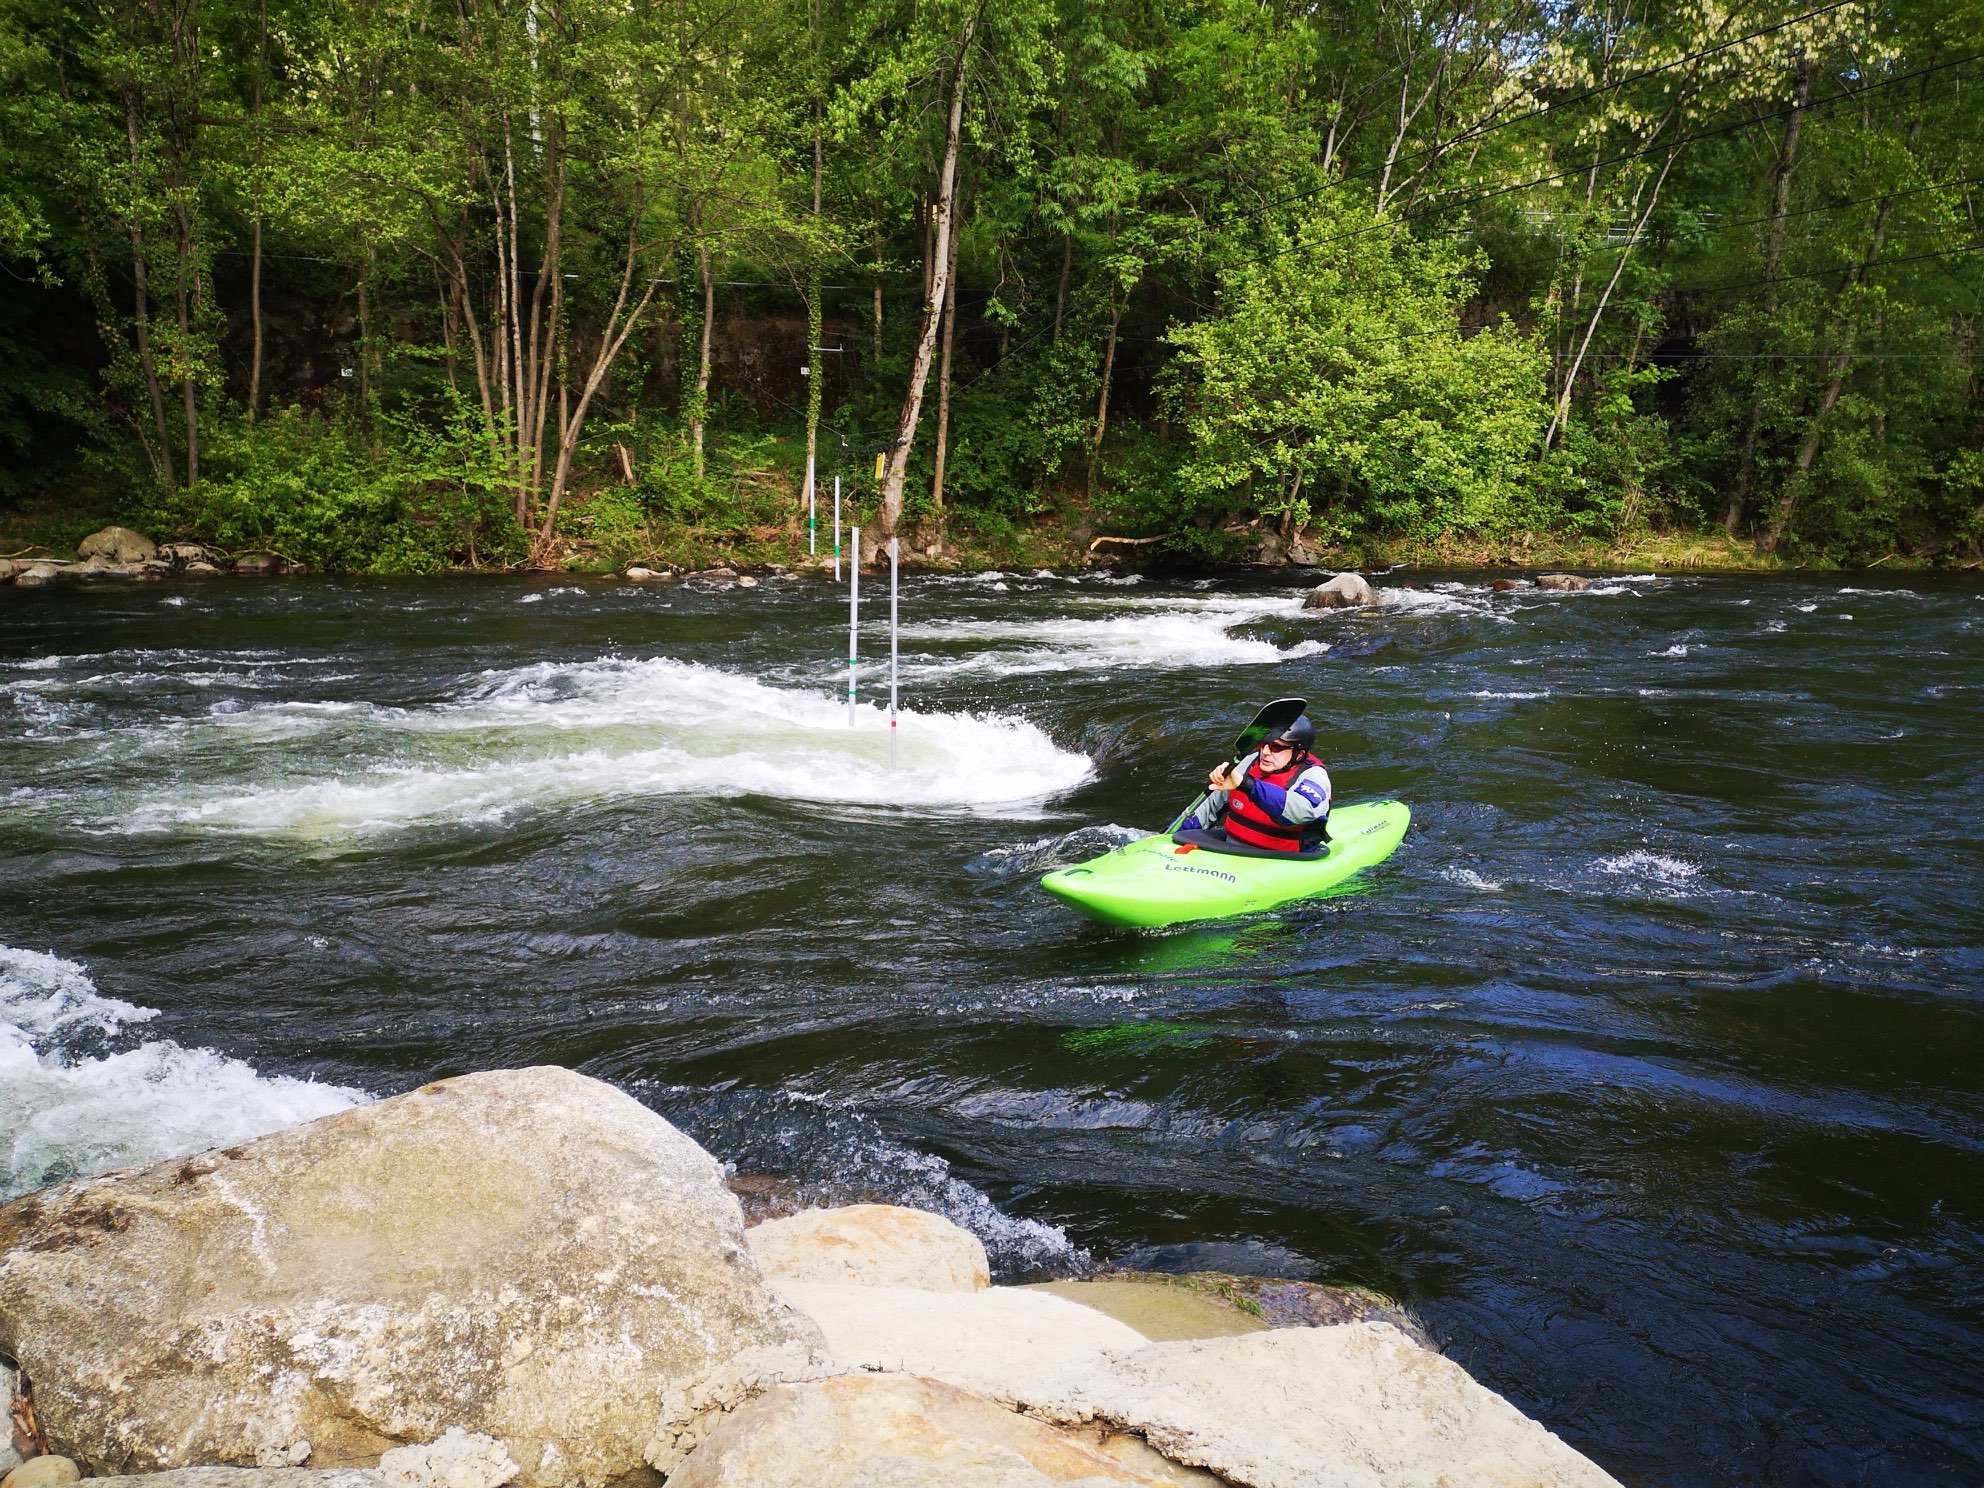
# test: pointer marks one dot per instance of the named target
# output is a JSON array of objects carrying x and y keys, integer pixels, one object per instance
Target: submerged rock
[
  {"x": 1503, "y": 586},
  {"x": 117, "y": 545},
  {"x": 1572, "y": 582},
  {"x": 1347, "y": 591},
  {"x": 529, "y": 1254},
  {"x": 865, "y": 1431},
  {"x": 871, "y": 1245},
  {"x": 37, "y": 574}
]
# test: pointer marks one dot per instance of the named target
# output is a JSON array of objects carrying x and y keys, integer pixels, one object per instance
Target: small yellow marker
[{"x": 881, "y": 464}]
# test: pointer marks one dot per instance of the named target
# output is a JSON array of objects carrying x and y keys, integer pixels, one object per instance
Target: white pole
[
  {"x": 836, "y": 529},
  {"x": 892, "y": 653},
  {"x": 812, "y": 507},
  {"x": 853, "y": 620}
]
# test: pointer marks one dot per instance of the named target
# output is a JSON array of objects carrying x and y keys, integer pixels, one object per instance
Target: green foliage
[
  {"x": 1384, "y": 272},
  {"x": 316, "y": 489},
  {"x": 1335, "y": 382}
]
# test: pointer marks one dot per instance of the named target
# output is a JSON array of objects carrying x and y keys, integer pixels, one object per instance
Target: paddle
[{"x": 1270, "y": 721}]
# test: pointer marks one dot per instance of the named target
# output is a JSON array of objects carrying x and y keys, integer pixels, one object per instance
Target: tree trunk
[
  {"x": 142, "y": 314},
  {"x": 255, "y": 319},
  {"x": 897, "y": 468},
  {"x": 1061, "y": 289},
  {"x": 1102, "y": 403},
  {"x": 702, "y": 356},
  {"x": 1562, "y": 415},
  {"x": 944, "y": 382},
  {"x": 877, "y": 224},
  {"x": 255, "y": 262},
  {"x": 1773, "y": 256},
  {"x": 183, "y": 298},
  {"x": 815, "y": 317},
  {"x": 1808, "y": 451},
  {"x": 611, "y": 338}
]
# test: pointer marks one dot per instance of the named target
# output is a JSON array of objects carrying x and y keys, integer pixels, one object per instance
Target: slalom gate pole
[
  {"x": 812, "y": 509},
  {"x": 836, "y": 529},
  {"x": 853, "y": 620},
  {"x": 892, "y": 652}
]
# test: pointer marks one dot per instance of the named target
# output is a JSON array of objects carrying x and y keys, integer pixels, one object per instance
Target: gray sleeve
[{"x": 1308, "y": 796}]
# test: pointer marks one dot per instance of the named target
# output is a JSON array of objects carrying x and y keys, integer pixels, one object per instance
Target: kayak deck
[{"x": 1155, "y": 881}]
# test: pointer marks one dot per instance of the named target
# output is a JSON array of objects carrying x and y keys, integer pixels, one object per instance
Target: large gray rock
[
  {"x": 1572, "y": 582},
  {"x": 35, "y": 575},
  {"x": 1355, "y": 1406},
  {"x": 258, "y": 563},
  {"x": 1347, "y": 591},
  {"x": 899, "y": 1431},
  {"x": 117, "y": 545},
  {"x": 528, "y": 1253},
  {"x": 873, "y": 1245}
]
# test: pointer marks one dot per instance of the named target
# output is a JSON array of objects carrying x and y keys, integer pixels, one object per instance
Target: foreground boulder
[
  {"x": 1347, "y": 591},
  {"x": 1329, "y": 1407},
  {"x": 872, "y": 1245},
  {"x": 528, "y": 1254},
  {"x": 867, "y": 1431},
  {"x": 117, "y": 545}
]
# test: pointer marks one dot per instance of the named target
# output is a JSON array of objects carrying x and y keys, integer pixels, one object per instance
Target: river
[{"x": 1649, "y": 1072}]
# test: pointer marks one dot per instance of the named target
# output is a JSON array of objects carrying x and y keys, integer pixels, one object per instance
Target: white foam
[
  {"x": 1675, "y": 650},
  {"x": 560, "y": 732},
  {"x": 1467, "y": 878},
  {"x": 1521, "y": 697},
  {"x": 1102, "y": 634},
  {"x": 1650, "y": 865},
  {"x": 68, "y": 1109}
]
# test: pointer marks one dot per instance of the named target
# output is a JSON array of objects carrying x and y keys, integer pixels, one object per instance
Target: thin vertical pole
[
  {"x": 892, "y": 653},
  {"x": 836, "y": 529},
  {"x": 812, "y": 508},
  {"x": 853, "y": 620}
]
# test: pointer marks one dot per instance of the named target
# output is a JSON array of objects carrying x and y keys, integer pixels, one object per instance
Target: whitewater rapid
[{"x": 83, "y": 1091}]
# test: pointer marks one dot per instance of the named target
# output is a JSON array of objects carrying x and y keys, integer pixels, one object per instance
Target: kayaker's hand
[{"x": 1224, "y": 777}]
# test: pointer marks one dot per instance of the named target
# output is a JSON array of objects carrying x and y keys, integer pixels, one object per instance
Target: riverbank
[
  {"x": 526, "y": 1277},
  {"x": 1065, "y": 541}
]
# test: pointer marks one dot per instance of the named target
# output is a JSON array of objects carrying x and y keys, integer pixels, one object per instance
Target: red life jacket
[{"x": 1250, "y": 823}]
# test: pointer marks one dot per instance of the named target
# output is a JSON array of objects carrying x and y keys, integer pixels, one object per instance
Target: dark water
[{"x": 1650, "y": 1072}]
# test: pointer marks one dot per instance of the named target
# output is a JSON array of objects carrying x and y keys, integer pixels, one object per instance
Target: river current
[{"x": 1649, "y": 1072}]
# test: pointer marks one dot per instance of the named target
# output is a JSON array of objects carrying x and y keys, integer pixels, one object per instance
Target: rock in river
[
  {"x": 1562, "y": 581},
  {"x": 874, "y": 1245},
  {"x": 1347, "y": 591},
  {"x": 117, "y": 545},
  {"x": 528, "y": 1254}
]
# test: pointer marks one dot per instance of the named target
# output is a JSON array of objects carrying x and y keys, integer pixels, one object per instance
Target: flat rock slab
[
  {"x": 1002, "y": 1342},
  {"x": 871, "y": 1245},
  {"x": 1156, "y": 1309},
  {"x": 899, "y": 1431},
  {"x": 528, "y": 1254},
  {"x": 247, "y": 1477},
  {"x": 1356, "y": 1406}
]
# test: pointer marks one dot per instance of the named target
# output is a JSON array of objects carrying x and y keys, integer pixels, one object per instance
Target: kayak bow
[{"x": 1156, "y": 881}]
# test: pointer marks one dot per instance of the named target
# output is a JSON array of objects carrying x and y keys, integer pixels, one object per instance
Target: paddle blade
[{"x": 1270, "y": 721}]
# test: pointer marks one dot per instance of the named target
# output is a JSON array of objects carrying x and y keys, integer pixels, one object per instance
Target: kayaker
[{"x": 1276, "y": 799}]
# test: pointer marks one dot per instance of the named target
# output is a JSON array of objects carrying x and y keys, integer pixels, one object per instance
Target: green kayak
[{"x": 1159, "y": 881}]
